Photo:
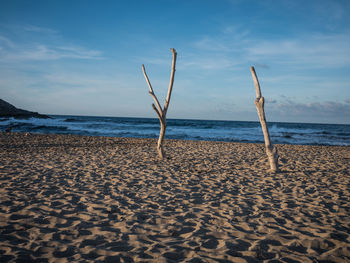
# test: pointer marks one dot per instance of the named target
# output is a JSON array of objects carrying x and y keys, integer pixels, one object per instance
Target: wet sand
[{"x": 70, "y": 198}]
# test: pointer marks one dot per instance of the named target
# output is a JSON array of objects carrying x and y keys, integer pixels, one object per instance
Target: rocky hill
[{"x": 8, "y": 110}]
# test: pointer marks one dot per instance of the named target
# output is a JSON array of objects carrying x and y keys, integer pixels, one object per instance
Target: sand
[{"x": 67, "y": 198}]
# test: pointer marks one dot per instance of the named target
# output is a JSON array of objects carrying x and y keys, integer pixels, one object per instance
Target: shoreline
[
  {"x": 71, "y": 197},
  {"x": 230, "y": 131},
  {"x": 24, "y": 134}
]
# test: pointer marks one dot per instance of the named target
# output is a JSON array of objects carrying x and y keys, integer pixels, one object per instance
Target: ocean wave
[{"x": 231, "y": 131}]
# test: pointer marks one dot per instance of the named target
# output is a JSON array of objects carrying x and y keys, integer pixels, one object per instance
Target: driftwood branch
[
  {"x": 157, "y": 108},
  {"x": 171, "y": 82},
  {"x": 151, "y": 89},
  {"x": 259, "y": 103},
  {"x": 157, "y": 111}
]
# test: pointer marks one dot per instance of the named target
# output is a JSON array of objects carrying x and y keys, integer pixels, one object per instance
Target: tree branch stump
[
  {"x": 271, "y": 152},
  {"x": 161, "y": 112}
]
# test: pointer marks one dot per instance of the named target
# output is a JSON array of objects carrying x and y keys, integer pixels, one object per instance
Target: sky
[{"x": 84, "y": 58}]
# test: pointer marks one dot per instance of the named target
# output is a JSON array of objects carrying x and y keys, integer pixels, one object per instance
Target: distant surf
[{"x": 205, "y": 130}]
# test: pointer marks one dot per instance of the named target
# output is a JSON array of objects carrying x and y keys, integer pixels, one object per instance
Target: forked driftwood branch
[
  {"x": 259, "y": 103},
  {"x": 161, "y": 112}
]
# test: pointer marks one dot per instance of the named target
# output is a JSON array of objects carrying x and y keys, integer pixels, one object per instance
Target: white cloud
[
  {"x": 155, "y": 61},
  {"x": 32, "y": 28},
  {"x": 5, "y": 43},
  {"x": 327, "y": 111},
  {"x": 211, "y": 44},
  {"x": 44, "y": 52},
  {"x": 315, "y": 51},
  {"x": 87, "y": 82},
  {"x": 209, "y": 62},
  {"x": 312, "y": 51},
  {"x": 41, "y": 44}
]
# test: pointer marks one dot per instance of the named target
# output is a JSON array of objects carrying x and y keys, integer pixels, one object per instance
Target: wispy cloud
[
  {"x": 37, "y": 29},
  {"x": 154, "y": 61},
  {"x": 35, "y": 48},
  {"x": 210, "y": 62},
  {"x": 313, "y": 51},
  {"x": 212, "y": 44},
  {"x": 6, "y": 43},
  {"x": 44, "y": 52},
  {"x": 87, "y": 82},
  {"x": 229, "y": 39},
  {"x": 319, "y": 111}
]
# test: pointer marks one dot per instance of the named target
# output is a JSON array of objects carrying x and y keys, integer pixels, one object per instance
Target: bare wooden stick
[
  {"x": 259, "y": 103},
  {"x": 171, "y": 82},
  {"x": 151, "y": 89},
  {"x": 157, "y": 108}
]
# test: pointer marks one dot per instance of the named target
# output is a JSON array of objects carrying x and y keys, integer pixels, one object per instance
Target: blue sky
[{"x": 85, "y": 57}]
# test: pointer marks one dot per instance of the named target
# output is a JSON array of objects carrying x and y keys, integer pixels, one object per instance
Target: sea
[{"x": 203, "y": 130}]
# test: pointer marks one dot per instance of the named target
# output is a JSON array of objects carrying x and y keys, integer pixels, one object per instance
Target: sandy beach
[{"x": 67, "y": 198}]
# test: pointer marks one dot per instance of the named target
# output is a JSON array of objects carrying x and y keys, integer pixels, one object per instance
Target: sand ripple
[{"x": 78, "y": 199}]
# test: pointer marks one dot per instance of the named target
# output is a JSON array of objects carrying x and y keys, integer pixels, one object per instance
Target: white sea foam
[{"x": 287, "y": 133}]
